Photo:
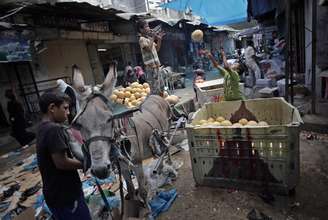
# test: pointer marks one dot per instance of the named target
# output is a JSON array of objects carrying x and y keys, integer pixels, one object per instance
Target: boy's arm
[
  {"x": 225, "y": 62},
  {"x": 63, "y": 162},
  {"x": 214, "y": 62},
  {"x": 159, "y": 40}
]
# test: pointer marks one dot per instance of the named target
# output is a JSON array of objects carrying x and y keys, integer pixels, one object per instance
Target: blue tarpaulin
[{"x": 213, "y": 12}]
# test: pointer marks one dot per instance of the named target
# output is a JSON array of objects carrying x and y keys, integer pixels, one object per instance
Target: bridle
[
  {"x": 86, "y": 143},
  {"x": 110, "y": 140}
]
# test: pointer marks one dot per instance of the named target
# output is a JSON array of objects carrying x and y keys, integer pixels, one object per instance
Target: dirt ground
[{"x": 309, "y": 202}]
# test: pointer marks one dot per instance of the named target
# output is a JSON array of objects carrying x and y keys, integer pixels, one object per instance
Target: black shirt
[{"x": 60, "y": 187}]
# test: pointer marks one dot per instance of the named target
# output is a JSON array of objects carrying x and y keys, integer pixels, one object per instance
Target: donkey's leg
[
  {"x": 127, "y": 177},
  {"x": 143, "y": 186}
]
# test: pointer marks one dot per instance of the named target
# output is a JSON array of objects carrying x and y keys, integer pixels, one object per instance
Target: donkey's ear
[
  {"x": 78, "y": 81},
  {"x": 110, "y": 80}
]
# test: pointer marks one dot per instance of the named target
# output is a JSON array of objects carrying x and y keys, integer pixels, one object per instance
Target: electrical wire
[{"x": 14, "y": 11}]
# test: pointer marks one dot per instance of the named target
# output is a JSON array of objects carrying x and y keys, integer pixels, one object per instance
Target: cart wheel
[{"x": 292, "y": 192}]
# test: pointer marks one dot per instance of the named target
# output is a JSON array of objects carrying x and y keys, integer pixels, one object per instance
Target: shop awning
[{"x": 213, "y": 12}]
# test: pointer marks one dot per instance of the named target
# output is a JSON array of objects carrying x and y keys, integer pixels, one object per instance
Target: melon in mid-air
[{"x": 197, "y": 35}]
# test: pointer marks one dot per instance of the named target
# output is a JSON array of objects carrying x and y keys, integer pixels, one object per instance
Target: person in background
[
  {"x": 275, "y": 39},
  {"x": 231, "y": 77},
  {"x": 70, "y": 91},
  {"x": 129, "y": 77},
  {"x": 128, "y": 67},
  {"x": 251, "y": 62},
  {"x": 199, "y": 75},
  {"x": 62, "y": 187},
  {"x": 140, "y": 74},
  {"x": 150, "y": 44},
  {"x": 17, "y": 120}
]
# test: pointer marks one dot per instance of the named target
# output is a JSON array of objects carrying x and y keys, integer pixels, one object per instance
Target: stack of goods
[{"x": 131, "y": 96}]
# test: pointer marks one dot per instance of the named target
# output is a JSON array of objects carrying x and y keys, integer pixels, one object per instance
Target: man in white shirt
[{"x": 250, "y": 61}]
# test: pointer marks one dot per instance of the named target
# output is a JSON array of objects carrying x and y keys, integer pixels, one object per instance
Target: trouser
[
  {"x": 78, "y": 210},
  {"x": 155, "y": 80},
  {"x": 256, "y": 72}
]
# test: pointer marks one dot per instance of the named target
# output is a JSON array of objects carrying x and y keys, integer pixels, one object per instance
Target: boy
[
  {"x": 231, "y": 77},
  {"x": 150, "y": 44},
  {"x": 62, "y": 188}
]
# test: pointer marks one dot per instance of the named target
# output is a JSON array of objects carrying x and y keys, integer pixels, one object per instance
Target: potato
[
  {"x": 226, "y": 123},
  {"x": 148, "y": 90},
  {"x": 145, "y": 85},
  {"x": 113, "y": 97},
  {"x": 243, "y": 121},
  {"x": 252, "y": 123},
  {"x": 262, "y": 123},
  {"x": 210, "y": 119},
  {"x": 220, "y": 119},
  {"x": 143, "y": 94},
  {"x": 134, "y": 84}
]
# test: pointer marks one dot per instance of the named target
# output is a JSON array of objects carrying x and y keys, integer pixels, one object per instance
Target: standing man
[
  {"x": 150, "y": 44},
  {"x": 62, "y": 188},
  {"x": 251, "y": 61},
  {"x": 17, "y": 119}
]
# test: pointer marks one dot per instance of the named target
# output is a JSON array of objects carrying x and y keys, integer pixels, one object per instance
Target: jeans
[{"x": 78, "y": 210}]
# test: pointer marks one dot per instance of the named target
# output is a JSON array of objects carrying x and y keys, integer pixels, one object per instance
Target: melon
[
  {"x": 145, "y": 85},
  {"x": 220, "y": 119},
  {"x": 210, "y": 119},
  {"x": 113, "y": 97},
  {"x": 226, "y": 123},
  {"x": 243, "y": 121},
  {"x": 119, "y": 100},
  {"x": 252, "y": 123},
  {"x": 262, "y": 123},
  {"x": 197, "y": 35},
  {"x": 237, "y": 125}
]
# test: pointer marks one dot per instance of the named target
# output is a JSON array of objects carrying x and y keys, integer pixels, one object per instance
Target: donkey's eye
[{"x": 77, "y": 126}]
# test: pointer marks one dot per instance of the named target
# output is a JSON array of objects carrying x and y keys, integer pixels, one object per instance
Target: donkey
[{"x": 99, "y": 127}]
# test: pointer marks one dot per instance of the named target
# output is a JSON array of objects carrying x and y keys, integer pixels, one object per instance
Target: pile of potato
[
  {"x": 131, "y": 96},
  {"x": 221, "y": 121}
]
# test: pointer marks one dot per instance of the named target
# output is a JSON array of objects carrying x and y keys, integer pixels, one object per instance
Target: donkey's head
[{"x": 95, "y": 119}]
